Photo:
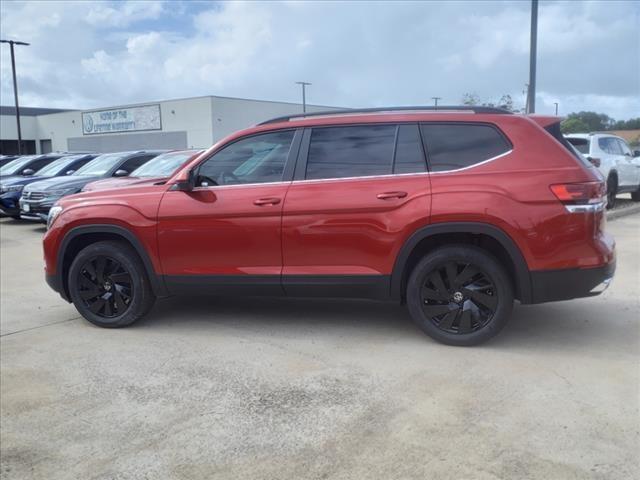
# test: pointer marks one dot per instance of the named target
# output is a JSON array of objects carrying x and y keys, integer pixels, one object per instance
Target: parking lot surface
[{"x": 293, "y": 388}]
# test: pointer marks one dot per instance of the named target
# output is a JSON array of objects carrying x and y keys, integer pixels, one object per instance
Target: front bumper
[
  {"x": 9, "y": 206},
  {"x": 37, "y": 210},
  {"x": 556, "y": 285}
]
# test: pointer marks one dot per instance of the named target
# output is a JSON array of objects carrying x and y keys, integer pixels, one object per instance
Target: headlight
[
  {"x": 53, "y": 214},
  {"x": 10, "y": 188}
]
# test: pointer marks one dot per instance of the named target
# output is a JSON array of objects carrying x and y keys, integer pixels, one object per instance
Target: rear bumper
[{"x": 556, "y": 285}]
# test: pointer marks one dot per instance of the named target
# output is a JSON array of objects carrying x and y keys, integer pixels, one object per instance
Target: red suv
[{"x": 456, "y": 211}]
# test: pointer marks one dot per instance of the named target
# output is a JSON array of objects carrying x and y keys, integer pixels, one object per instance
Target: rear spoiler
[{"x": 545, "y": 120}]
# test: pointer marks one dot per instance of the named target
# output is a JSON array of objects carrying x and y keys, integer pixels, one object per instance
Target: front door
[{"x": 226, "y": 233}]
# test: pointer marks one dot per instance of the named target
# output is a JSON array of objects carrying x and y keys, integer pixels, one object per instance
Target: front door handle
[
  {"x": 390, "y": 195},
  {"x": 266, "y": 201}
]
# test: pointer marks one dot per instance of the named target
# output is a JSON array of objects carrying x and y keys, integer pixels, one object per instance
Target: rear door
[
  {"x": 630, "y": 164},
  {"x": 358, "y": 192}
]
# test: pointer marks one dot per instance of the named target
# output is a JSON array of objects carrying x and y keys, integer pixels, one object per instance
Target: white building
[{"x": 172, "y": 124}]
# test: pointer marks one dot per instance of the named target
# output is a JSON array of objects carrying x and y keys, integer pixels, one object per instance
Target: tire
[
  {"x": 460, "y": 295},
  {"x": 635, "y": 196},
  {"x": 612, "y": 191},
  {"x": 108, "y": 285}
]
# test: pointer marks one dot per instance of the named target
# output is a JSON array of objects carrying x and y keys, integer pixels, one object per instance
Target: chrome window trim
[{"x": 333, "y": 179}]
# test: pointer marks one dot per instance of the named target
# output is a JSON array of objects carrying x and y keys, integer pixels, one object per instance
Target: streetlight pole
[
  {"x": 304, "y": 98},
  {"x": 531, "y": 103},
  {"x": 15, "y": 89},
  {"x": 435, "y": 99}
]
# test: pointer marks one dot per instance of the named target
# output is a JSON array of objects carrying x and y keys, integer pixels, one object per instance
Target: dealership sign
[{"x": 130, "y": 119}]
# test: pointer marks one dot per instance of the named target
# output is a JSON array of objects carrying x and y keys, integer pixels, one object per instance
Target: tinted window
[
  {"x": 14, "y": 166},
  {"x": 581, "y": 144},
  {"x": 609, "y": 145},
  {"x": 624, "y": 147},
  {"x": 408, "y": 157},
  {"x": 451, "y": 146},
  {"x": 135, "y": 162},
  {"x": 257, "y": 159},
  {"x": 338, "y": 152}
]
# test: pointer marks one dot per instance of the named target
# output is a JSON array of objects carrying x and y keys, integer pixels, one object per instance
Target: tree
[
  {"x": 631, "y": 124},
  {"x": 574, "y": 125},
  {"x": 470, "y": 99},
  {"x": 595, "y": 121}
]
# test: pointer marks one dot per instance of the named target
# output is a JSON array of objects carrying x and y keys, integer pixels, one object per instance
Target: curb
[{"x": 623, "y": 212}]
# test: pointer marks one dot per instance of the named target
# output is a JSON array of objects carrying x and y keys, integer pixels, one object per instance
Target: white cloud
[{"x": 87, "y": 54}]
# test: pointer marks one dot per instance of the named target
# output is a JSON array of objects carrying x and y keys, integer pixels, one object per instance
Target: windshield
[
  {"x": 54, "y": 167},
  {"x": 163, "y": 165},
  {"x": 581, "y": 144},
  {"x": 101, "y": 165},
  {"x": 14, "y": 166}
]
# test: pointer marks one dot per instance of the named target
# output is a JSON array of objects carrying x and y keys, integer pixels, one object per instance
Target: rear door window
[
  {"x": 409, "y": 157},
  {"x": 352, "y": 151},
  {"x": 453, "y": 146}
]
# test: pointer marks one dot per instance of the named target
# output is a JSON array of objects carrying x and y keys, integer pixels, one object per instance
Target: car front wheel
[
  {"x": 460, "y": 295},
  {"x": 109, "y": 286}
]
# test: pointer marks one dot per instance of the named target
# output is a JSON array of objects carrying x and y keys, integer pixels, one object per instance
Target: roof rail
[{"x": 349, "y": 111}]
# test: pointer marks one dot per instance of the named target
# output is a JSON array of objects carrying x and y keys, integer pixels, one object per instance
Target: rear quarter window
[
  {"x": 455, "y": 146},
  {"x": 580, "y": 144}
]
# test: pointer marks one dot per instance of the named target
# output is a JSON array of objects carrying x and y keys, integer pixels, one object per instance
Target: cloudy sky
[{"x": 104, "y": 53}]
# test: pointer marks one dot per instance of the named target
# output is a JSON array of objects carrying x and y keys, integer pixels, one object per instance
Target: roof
[{"x": 29, "y": 111}]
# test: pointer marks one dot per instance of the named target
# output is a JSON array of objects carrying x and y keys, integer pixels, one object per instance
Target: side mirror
[
  {"x": 187, "y": 185},
  {"x": 636, "y": 153},
  {"x": 121, "y": 173},
  {"x": 69, "y": 172},
  {"x": 28, "y": 171}
]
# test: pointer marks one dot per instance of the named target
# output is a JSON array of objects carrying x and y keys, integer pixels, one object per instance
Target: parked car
[
  {"x": 27, "y": 165},
  {"x": 158, "y": 169},
  {"x": 456, "y": 212},
  {"x": 615, "y": 160},
  {"x": 38, "y": 197},
  {"x": 11, "y": 187},
  {"x": 4, "y": 159}
]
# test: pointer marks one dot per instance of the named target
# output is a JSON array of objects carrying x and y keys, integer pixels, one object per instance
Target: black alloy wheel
[
  {"x": 109, "y": 285},
  {"x": 106, "y": 287},
  {"x": 458, "y": 297}
]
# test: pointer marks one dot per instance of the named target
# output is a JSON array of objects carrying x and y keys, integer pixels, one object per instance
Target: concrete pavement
[{"x": 297, "y": 389}]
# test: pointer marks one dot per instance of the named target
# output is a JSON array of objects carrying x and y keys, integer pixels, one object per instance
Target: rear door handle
[
  {"x": 390, "y": 195},
  {"x": 266, "y": 201}
]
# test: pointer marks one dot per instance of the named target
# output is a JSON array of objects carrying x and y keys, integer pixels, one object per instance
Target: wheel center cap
[
  {"x": 107, "y": 286},
  {"x": 458, "y": 297}
]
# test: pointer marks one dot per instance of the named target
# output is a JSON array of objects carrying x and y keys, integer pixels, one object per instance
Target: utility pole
[
  {"x": 531, "y": 97},
  {"x": 556, "y": 104},
  {"x": 304, "y": 97},
  {"x": 435, "y": 99},
  {"x": 15, "y": 89}
]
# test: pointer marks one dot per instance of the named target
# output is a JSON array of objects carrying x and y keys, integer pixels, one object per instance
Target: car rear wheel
[
  {"x": 109, "y": 286},
  {"x": 460, "y": 295}
]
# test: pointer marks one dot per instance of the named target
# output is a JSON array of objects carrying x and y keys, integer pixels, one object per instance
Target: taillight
[{"x": 580, "y": 197}]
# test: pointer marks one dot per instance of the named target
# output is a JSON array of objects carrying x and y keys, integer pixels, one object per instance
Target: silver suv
[{"x": 615, "y": 160}]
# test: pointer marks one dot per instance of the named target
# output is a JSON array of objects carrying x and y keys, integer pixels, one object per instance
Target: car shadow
[{"x": 555, "y": 326}]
